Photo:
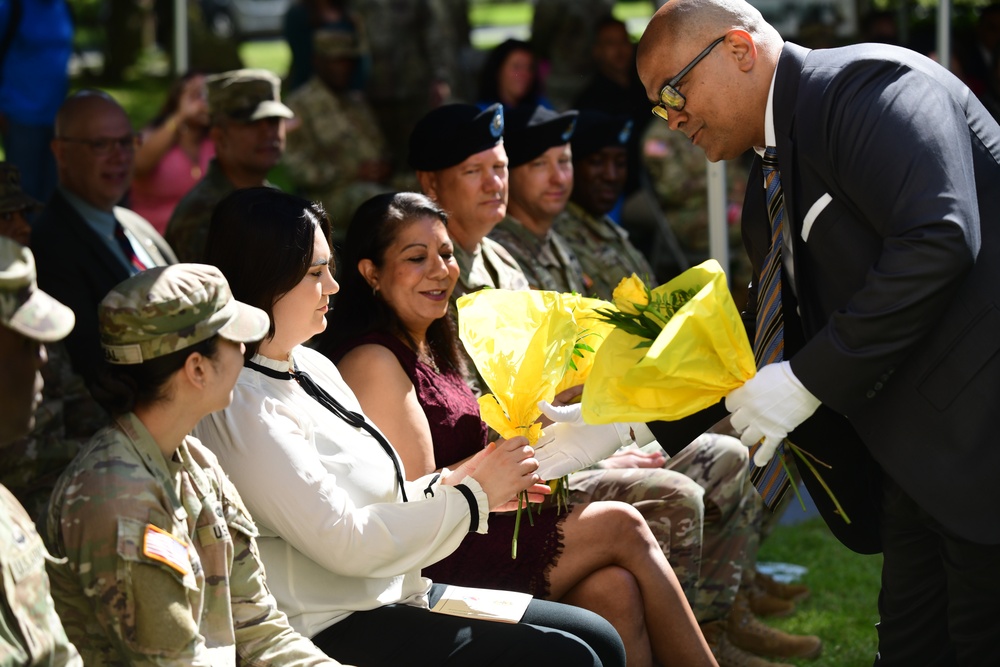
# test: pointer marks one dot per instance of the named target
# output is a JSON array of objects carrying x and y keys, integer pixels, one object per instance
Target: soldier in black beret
[
  {"x": 600, "y": 167},
  {"x": 541, "y": 180},
  {"x": 458, "y": 153}
]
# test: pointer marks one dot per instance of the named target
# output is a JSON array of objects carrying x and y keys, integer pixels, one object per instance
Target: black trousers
[
  {"x": 940, "y": 593},
  {"x": 549, "y": 635}
]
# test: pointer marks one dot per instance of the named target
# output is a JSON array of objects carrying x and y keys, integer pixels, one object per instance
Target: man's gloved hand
[
  {"x": 569, "y": 444},
  {"x": 769, "y": 406}
]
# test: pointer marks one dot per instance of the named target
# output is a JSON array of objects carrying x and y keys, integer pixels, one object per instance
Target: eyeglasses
[
  {"x": 670, "y": 97},
  {"x": 102, "y": 147}
]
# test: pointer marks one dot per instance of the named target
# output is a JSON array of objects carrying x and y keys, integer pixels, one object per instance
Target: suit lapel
[
  {"x": 786, "y": 87},
  {"x": 77, "y": 226}
]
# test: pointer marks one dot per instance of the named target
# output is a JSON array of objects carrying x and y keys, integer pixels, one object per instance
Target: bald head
[
  {"x": 701, "y": 21},
  {"x": 94, "y": 148},
  {"x": 727, "y": 87},
  {"x": 80, "y": 106}
]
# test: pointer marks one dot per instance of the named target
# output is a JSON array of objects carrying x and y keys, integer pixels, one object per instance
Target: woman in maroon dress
[{"x": 396, "y": 347}]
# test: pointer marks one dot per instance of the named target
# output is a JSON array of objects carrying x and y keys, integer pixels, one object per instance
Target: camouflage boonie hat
[
  {"x": 12, "y": 197},
  {"x": 23, "y": 307},
  {"x": 246, "y": 95},
  {"x": 171, "y": 308},
  {"x": 335, "y": 43}
]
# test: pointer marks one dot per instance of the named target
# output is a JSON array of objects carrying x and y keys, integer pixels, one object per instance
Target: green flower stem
[
  {"x": 647, "y": 310},
  {"x": 521, "y": 497},
  {"x": 805, "y": 456},
  {"x": 791, "y": 481}
]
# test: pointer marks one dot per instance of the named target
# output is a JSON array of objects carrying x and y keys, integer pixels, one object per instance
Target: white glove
[
  {"x": 769, "y": 406},
  {"x": 570, "y": 444}
]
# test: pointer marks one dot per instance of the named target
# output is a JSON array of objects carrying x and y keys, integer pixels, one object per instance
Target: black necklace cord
[{"x": 333, "y": 405}]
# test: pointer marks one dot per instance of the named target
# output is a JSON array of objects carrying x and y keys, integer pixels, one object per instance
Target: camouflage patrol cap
[
  {"x": 531, "y": 132},
  {"x": 448, "y": 135},
  {"x": 12, "y": 197},
  {"x": 170, "y": 308},
  {"x": 596, "y": 130},
  {"x": 335, "y": 43},
  {"x": 246, "y": 95},
  {"x": 23, "y": 307}
]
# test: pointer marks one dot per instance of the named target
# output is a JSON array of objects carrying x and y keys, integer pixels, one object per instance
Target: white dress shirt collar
[{"x": 770, "y": 139}]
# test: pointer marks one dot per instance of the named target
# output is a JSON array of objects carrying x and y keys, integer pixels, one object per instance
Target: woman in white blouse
[{"x": 343, "y": 535}]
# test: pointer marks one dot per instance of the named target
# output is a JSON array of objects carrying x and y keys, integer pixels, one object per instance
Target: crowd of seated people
[{"x": 194, "y": 419}]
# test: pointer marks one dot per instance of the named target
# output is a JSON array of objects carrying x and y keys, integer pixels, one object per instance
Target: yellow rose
[{"x": 630, "y": 292}]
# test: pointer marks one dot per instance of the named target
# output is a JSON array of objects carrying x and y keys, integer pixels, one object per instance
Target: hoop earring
[{"x": 375, "y": 291}]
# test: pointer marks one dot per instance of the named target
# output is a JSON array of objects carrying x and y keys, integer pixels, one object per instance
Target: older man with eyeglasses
[{"x": 84, "y": 243}]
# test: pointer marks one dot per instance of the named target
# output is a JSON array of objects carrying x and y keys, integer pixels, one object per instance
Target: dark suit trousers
[{"x": 940, "y": 593}]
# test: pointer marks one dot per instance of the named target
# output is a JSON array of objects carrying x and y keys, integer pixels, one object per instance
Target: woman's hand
[
  {"x": 634, "y": 458},
  {"x": 192, "y": 107},
  {"x": 503, "y": 470}
]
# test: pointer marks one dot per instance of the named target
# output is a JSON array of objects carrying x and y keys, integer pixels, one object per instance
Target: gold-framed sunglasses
[{"x": 670, "y": 97}]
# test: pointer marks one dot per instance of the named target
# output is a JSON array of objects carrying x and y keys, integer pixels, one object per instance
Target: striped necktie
[
  {"x": 127, "y": 250},
  {"x": 771, "y": 481}
]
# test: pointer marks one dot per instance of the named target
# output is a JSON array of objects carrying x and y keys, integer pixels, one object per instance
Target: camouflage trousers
[{"x": 702, "y": 511}]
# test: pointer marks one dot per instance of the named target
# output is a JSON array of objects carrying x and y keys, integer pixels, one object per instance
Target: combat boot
[
  {"x": 764, "y": 604},
  {"x": 778, "y": 589},
  {"x": 748, "y": 633},
  {"x": 726, "y": 653}
]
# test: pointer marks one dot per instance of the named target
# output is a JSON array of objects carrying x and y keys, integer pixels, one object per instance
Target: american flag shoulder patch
[{"x": 161, "y": 546}]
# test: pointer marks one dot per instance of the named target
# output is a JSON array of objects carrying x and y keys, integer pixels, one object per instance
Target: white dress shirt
[{"x": 335, "y": 534}]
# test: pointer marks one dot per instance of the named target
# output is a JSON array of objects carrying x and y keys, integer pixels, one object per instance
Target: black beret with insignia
[
  {"x": 531, "y": 132},
  {"x": 596, "y": 130},
  {"x": 448, "y": 135}
]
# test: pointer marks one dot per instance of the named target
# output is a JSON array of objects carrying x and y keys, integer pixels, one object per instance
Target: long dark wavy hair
[
  {"x": 489, "y": 75},
  {"x": 262, "y": 241},
  {"x": 358, "y": 310}
]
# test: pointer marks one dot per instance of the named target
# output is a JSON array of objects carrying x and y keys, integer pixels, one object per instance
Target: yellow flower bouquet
[
  {"x": 675, "y": 350},
  {"x": 591, "y": 330},
  {"x": 681, "y": 348},
  {"x": 524, "y": 344}
]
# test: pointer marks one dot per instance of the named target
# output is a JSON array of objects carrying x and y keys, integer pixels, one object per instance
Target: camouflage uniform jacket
[
  {"x": 488, "y": 266},
  {"x": 603, "y": 249},
  {"x": 547, "y": 263},
  {"x": 187, "y": 230},
  {"x": 563, "y": 32},
  {"x": 336, "y": 134},
  {"x": 678, "y": 173},
  {"x": 161, "y": 562},
  {"x": 411, "y": 44},
  {"x": 30, "y": 631},
  {"x": 64, "y": 421}
]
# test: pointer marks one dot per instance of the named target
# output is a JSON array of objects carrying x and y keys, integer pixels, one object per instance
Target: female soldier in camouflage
[{"x": 161, "y": 564}]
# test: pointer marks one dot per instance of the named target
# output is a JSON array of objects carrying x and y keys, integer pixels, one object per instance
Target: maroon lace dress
[{"x": 458, "y": 432}]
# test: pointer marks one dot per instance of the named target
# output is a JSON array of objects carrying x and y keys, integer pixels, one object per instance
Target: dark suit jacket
[
  {"x": 78, "y": 269},
  {"x": 890, "y": 169}
]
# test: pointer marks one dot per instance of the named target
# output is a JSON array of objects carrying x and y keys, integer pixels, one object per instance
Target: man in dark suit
[
  {"x": 887, "y": 262},
  {"x": 84, "y": 243}
]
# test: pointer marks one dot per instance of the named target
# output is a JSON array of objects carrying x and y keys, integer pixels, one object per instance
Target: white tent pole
[
  {"x": 181, "y": 61},
  {"x": 718, "y": 232},
  {"x": 944, "y": 33}
]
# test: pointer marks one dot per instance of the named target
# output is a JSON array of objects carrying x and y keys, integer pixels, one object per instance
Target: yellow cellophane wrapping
[
  {"x": 700, "y": 356},
  {"x": 521, "y": 342},
  {"x": 591, "y": 330}
]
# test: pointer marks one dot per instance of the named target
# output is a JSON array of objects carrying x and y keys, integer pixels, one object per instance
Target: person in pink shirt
[{"x": 174, "y": 153}]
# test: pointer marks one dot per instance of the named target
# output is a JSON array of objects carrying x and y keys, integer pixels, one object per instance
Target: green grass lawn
[{"x": 842, "y": 609}]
